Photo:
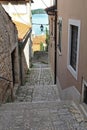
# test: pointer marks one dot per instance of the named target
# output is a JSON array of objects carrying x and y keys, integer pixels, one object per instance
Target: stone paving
[
  {"x": 39, "y": 85},
  {"x": 41, "y": 116},
  {"x": 45, "y": 93},
  {"x": 39, "y": 76},
  {"x": 38, "y": 106}
]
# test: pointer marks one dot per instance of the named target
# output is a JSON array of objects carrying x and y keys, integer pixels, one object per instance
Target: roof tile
[{"x": 39, "y": 39}]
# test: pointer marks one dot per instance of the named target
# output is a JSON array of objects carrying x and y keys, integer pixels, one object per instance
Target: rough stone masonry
[{"x": 8, "y": 43}]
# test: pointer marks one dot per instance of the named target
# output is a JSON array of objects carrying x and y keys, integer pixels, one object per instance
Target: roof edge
[{"x": 51, "y": 10}]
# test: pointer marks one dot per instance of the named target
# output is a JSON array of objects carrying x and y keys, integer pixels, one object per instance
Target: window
[
  {"x": 59, "y": 33},
  {"x": 73, "y": 46},
  {"x": 84, "y": 91},
  {"x": 74, "y": 40}
]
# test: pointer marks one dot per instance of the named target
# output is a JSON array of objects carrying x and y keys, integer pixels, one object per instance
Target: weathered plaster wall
[{"x": 71, "y": 9}]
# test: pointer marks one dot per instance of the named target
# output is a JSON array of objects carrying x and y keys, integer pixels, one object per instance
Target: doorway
[{"x": 13, "y": 65}]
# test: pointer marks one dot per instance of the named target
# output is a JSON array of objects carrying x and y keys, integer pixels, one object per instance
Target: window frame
[
  {"x": 84, "y": 84},
  {"x": 70, "y": 68}
]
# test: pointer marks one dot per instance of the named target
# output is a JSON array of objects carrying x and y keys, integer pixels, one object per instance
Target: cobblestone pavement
[
  {"x": 39, "y": 85},
  {"x": 38, "y": 106},
  {"x": 39, "y": 76},
  {"x": 41, "y": 116},
  {"x": 45, "y": 93}
]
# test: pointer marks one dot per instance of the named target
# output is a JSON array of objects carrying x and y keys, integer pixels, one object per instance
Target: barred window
[
  {"x": 74, "y": 39},
  {"x": 73, "y": 46}
]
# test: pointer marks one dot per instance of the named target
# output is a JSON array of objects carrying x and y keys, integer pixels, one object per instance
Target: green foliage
[
  {"x": 38, "y": 11},
  {"x": 31, "y": 65},
  {"x": 47, "y": 38},
  {"x": 41, "y": 46},
  {"x": 28, "y": 71},
  {"x": 9, "y": 99}
]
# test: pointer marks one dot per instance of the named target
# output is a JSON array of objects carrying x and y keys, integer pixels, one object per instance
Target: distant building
[
  {"x": 52, "y": 46},
  {"x": 37, "y": 40}
]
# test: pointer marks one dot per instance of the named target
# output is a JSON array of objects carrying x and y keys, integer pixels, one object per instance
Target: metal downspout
[
  {"x": 55, "y": 59},
  {"x": 20, "y": 63}
]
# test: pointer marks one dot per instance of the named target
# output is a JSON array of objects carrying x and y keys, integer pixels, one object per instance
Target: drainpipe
[
  {"x": 20, "y": 63},
  {"x": 55, "y": 59}
]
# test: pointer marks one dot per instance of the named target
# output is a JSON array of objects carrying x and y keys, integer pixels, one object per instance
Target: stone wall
[{"x": 8, "y": 43}]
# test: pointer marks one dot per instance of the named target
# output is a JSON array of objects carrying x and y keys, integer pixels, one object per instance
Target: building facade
[
  {"x": 70, "y": 42},
  {"x": 20, "y": 12},
  {"x": 51, "y": 11},
  {"x": 38, "y": 42},
  {"x": 71, "y": 56},
  {"x": 9, "y": 62},
  {"x": 25, "y": 49}
]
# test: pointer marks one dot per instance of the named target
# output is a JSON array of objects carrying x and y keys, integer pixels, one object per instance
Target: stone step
[
  {"x": 55, "y": 115},
  {"x": 39, "y": 76},
  {"x": 83, "y": 108},
  {"x": 30, "y": 105},
  {"x": 37, "y": 93},
  {"x": 45, "y": 93},
  {"x": 37, "y": 105}
]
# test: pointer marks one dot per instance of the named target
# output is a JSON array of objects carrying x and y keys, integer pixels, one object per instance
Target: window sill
[{"x": 72, "y": 71}]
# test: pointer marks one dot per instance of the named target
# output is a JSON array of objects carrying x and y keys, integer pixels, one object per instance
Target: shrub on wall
[{"x": 41, "y": 47}]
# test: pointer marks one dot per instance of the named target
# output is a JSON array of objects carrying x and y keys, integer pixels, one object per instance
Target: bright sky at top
[{"x": 39, "y": 4}]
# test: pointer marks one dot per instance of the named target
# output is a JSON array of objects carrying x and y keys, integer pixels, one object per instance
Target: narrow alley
[
  {"x": 37, "y": 104},
  {"x": 43, "y": 65},
  {"x": 39, "y": 84}
]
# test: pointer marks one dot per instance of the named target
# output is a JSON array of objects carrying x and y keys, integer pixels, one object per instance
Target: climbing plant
[
  {"x": 41, "y": 46},
  {"x": 47, "y": 38}
]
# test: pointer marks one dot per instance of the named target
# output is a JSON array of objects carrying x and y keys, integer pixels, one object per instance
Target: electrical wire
[
  {"x": 19, "y": 15},
  {"x": 23, "y": 19},
  {"x": 44, "y": 3},
  {"x": 39, "y": 24}
]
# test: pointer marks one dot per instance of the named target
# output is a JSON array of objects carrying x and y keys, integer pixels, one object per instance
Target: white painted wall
[{"x": 20, "y": 12}]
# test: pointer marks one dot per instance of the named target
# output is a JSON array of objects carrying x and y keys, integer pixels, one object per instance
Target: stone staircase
[
  {"x": 83, "y": 109},
  {"x": 54, "y": 115},
  {"x": 38, "y": 106}
]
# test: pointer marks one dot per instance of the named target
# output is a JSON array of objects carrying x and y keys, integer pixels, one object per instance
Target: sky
[{"x": 39, "y": 4}]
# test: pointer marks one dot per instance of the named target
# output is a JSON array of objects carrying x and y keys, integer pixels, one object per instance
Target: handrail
[{"x": 5, "y": 79}]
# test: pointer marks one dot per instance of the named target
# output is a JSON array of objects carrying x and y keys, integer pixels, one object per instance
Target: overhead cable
[
  {"x": 19, "y": 15},
  {"x": 44, "y": 3},
  {"x": 39, "y": 24}
]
